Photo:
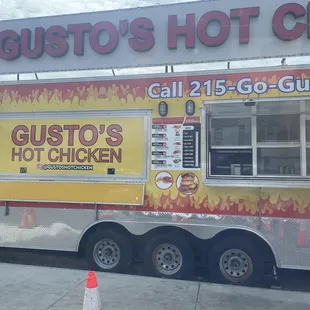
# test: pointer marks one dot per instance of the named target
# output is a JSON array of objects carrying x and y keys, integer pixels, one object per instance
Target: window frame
[
  {"x": 255, "y": 180},
  {"x": 244, "y": 116},
  {"x": 228, "y": 147}
]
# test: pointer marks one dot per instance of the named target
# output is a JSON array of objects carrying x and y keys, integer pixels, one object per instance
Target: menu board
[{"x": 176, "y": 143}]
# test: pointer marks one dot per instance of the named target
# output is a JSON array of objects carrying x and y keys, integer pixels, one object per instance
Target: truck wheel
[
  {"x": 108, "y": 250},
  {"x": 169, "y": 257},
  {"x": 235, "y": 260}
]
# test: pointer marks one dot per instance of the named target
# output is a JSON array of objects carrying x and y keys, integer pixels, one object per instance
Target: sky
[{"x": 12, "y": 9}]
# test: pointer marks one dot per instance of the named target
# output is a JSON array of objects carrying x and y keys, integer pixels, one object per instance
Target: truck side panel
[
  {"x": 174, "y": 166},
  {"x": 44, "y": 226}
]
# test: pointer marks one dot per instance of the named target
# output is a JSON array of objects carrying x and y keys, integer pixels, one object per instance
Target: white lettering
[
  {"x": 260, "y": 87},
  {"x": 244, "y": 86},
  {"x": 174, "y": 89},
  {"x": 180, "y": 89},
  {"x": 151, "y": 93},
  {"x": 165, "y": 92},
  {"x": 303, "y": 85},
  {"x": 286, "y": 84}
]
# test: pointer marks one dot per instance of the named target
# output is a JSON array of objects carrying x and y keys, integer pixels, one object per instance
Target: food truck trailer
[{"x": 173, "y": 169}]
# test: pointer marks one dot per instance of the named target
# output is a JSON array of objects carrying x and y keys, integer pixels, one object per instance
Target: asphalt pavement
[
  {"x": 56, "y": 280},
  {"x": 290, "y": 280},
  {"x": 48, "y": 288}
]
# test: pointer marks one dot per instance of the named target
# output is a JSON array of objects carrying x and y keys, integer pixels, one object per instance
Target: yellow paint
[
  {"x": 132, "y": 146},
  {"x": 105, "y": 95},
  {"x": 72, "y": 192}
]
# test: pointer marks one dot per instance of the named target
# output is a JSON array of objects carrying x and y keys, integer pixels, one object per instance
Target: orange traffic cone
[
  {"x": 32, "y": 220},
  {"x": 91, "y": 297},
  {"x": 302, "y": 235},
  {"x": 268, "y": 227},
  {"x": 28, "y": 219},
  {"x": 281, "y": 233},
  {"x": 184, "y": 220}
]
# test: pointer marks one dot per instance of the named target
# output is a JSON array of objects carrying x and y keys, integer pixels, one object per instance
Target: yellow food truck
[{"x": 174, "y": 169}]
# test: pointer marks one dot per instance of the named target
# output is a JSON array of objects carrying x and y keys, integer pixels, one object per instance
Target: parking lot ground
[{"x": 27, "y": 287}]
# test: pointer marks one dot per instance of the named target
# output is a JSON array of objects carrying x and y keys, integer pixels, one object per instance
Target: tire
[
  {"x": 235, "y": 260},
  {"x": 169, "y": 257},
  {"x": 109, "y": 251}
]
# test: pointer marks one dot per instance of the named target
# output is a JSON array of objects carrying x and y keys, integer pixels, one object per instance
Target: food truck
[{"x": 173, "y": 169}]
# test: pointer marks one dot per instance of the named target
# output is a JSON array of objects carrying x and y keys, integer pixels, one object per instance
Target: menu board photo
[{"x": 176, "y": 143}]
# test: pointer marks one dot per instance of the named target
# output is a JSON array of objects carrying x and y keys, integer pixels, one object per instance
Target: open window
[
  {"x": 262, "y": 144},
  {"x": 230, "y": 150}
]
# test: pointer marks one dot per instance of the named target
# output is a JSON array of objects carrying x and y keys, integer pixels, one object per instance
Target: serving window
[{"x": 266, "y": 143}]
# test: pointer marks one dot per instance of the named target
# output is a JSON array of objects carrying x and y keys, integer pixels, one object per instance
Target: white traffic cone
[{"x": 91, "y": 298}]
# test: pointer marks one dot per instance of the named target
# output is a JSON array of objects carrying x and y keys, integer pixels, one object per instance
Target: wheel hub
[
  {"x": 106, "y": 254},
  {"x": 236, "y": 265},
  {"x": 167, "y": 259}
]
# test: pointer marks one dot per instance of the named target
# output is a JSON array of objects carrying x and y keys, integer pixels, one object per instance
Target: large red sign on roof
[{"x": 203, "y": 31}]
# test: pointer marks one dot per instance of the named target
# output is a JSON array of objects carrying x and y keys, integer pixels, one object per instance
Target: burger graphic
[{"x": 187, "y": 183}]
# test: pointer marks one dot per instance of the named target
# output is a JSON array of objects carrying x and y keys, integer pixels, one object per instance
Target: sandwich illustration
[
  {"x": 165, "y": 179},
  {"x": 189, "y": 183}
]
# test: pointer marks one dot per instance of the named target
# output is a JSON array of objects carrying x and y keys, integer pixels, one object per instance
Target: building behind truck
[{"x": 173, "y": 169}]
